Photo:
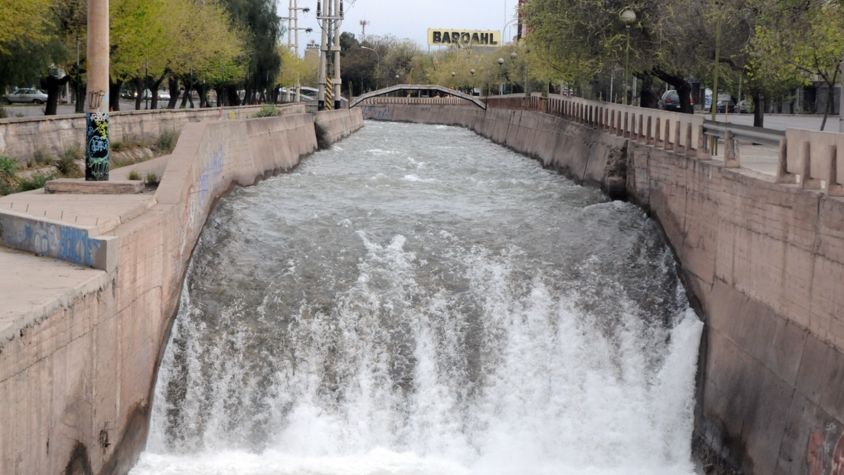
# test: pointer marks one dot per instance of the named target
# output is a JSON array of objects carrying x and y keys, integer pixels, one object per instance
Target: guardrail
[
  {"x": 455, "y": 101},
  {"x": 805, "y": 158}
]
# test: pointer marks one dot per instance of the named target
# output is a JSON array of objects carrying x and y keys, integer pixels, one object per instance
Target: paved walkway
[
  {"x": 32, "y": 287},
  {"x": 79, "y": 210}
]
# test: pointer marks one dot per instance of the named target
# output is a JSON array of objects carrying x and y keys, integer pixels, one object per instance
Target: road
[
  {"x": 20, "y": 110},
  {"x": 785, "y": 121}
]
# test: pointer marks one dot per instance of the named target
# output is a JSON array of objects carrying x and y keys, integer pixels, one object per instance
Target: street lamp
[
  {"x": 472, "y": 73},
  {"x": 452, "y": 78},
  {"x": 501, "y": 76},
  {"x": 628, "y": 17},
  {"x": 513, "y": 56},
  {"x": 378, "y": 67}
]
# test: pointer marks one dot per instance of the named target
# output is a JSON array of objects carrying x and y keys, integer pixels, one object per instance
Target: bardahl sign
[{"x": 463, "y": 38}]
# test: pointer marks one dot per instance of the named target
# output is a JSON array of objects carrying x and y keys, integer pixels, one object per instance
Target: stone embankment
[
  {"x": 24, "y": 139},
  {"x": 78, "y": 357},
  {"x": 763, "y": 259}
]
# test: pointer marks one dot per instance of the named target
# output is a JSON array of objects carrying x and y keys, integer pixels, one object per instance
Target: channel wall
[
  {"x": 763, "y": 263},
  {"x": 76, "y": 378}
]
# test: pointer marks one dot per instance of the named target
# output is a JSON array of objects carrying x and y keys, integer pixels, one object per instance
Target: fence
[
  {"x": 450, "y": 100},
  {"x": 802, "y": 157}
]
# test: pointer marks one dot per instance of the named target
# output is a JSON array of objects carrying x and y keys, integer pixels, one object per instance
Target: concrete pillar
[
  {"x": 677, "y": 128},
  {"x": 96, "y": 100},
  {"x": 688, "y": 143},
  {"x": 827, "y": 182},
  {"x": 731, "y": 158},
  {"x": 323, "y": 52},
  {"x": 805, "y": 164},
  {"x": 338, "y": 81},
  {"x": 782, "y": 161}
]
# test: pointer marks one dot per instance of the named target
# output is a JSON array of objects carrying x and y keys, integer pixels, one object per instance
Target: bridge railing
[
  {"x": 803, "y": 157},
  {"x": 456, "y": 101}
]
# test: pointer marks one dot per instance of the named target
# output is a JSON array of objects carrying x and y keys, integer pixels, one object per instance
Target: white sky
[{"x": 411, "y": 18}]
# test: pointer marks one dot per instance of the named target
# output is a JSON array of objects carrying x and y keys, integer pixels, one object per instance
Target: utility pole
[
  {"x": 330, "y": 15},
  {"x": 338, "y": 81},
  {"x": 96, "y": 98}
]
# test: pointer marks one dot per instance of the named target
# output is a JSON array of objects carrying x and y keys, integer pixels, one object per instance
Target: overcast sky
[{"x": 411, "y": 19}]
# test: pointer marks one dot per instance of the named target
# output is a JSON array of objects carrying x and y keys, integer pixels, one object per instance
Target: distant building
[{"x": 312, "y": 49}]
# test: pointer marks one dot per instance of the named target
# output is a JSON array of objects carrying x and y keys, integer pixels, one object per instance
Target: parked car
[
  {"x": 27, "y": 95},
  {"x": 725, "y": 103},
  {"x": 670, "y": 101},
  {"x": 744, "y": 107}
]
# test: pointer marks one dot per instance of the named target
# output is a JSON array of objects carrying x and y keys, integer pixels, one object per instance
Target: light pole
[
  {"x": 472, "y": 74},
  {"x": 513, "y": 57},
  {"x": 378, "y": 67},
  {"x": 628, "y": 17},
  {"x": 96, "y": 98},
  {"x": 501, "y": 76},
  {"x": 453, "y": 74}
]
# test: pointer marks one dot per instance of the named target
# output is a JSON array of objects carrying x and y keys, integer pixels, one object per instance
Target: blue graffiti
[
  {"x": 53, "y": 240},
  {"x": 210, "y": 174}
]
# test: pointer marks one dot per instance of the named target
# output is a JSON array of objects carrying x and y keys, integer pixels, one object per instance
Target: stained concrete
[
  {"x": 77, "y": 372},
  {"x": 764, "y": 264}
]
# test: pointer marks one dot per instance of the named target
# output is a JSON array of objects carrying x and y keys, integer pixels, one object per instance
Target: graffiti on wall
[
  {"x": 47, "y": 239},
  {"x": 97, "y": 147},
  {"x": 825, "y": 454}
]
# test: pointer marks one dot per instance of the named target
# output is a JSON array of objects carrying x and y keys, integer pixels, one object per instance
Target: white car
[{"x": 27, "y": 95}]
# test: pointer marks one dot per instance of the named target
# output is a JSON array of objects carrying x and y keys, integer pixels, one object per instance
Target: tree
[{"x": 23, "y": 22}]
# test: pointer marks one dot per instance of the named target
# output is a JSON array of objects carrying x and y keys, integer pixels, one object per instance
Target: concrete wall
[
  {"x": 763, "y": 260},
  {"x": 76, "y": 382},
  {"x": 21, "y": 139}
]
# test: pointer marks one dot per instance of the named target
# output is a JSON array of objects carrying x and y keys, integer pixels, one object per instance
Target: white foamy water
[{"x": 476, "y": 319}]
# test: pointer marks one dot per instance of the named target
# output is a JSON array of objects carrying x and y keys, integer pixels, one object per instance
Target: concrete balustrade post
[
  {"x": 688, "y": 142},
  {"x": 641, "y": 128},
  {"x": 667, "y": 140},
  {"x": 731, "y": 156},
  {"x": 805, "y": 164},
  {"x": 657, "y": 132},
  {"x": 702, "y": 152},
  {"x": 782, "y": 162},
  {"x": 625, "y": 124},
  {"x": 677, "y": 127},
  {"x": 833, "y": 187}
]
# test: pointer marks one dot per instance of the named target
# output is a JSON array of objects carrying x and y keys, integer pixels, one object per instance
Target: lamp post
[
  {"x": 96, "y": 100},
  {"x": 452, "y": 78},
  {"x": 628, "y": 17},
  {"x": 378, "y": 67},
  {"x": 472, "y": 74},
  {"x": 513, "y": 57},
  {"x": 501, "y": 76}
]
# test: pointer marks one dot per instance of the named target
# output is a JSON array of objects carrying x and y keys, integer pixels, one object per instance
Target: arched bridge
[{"x": 418, "y": 87}]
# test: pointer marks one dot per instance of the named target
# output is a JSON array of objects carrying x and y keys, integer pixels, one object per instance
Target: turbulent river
[{"x": 419, "y": 300}]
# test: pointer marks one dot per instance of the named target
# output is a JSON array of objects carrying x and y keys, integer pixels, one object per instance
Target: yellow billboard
[{"x": 464, "y": 38}]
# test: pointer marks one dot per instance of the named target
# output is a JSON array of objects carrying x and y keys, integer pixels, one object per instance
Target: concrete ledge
[
  {"x": 58, "y": 240},
  {"x": 81, "y": 187}
]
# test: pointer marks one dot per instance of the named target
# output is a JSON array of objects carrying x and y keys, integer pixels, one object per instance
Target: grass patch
[
  {"x": 8, "y": 182},
  {"x": 35, "y": 181},
  {"x": 134, "y": 175},
  {"x": 166, "y": 142},
  {"x": 42, "y": 157},
  {"x": 268, "y": 111},
  {"x": 68, "y": 163},
  {"x": 152, "y": 179}
]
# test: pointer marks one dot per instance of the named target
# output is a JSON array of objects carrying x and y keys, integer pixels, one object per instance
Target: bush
[
  {"x": 42, "y": 157},
  {"x": 134, "y": 175},
  {"x": 68, "y": 163},
  {"x": 35, "y": 181},
  {"x": 3, "y": 113},
  {"x": 8, "y": 168},
  {"x": 167, "y": 141},
  {"x": 152, "y": 179},
  {"x": 268, "y": 111}
]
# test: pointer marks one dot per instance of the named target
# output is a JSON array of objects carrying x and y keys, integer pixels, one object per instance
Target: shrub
[
  {"x": 134, "y": 175},
  {"x": 8, "y": 168},
  {"x": 268, "y": 111},
  {"x": 167, "y": 141},
  {"x": 152, "y": 179},
  {"x": 42, "y": 157},
  {"x": 3, "y": 113},
  {"x": 35, "y": 181},
  {"x": 68, "y": 163}
]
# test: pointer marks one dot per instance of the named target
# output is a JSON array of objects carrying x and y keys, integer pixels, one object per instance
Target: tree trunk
[
  {"x": 220, "y": 96},
  {"x": 53, "y": 86},
  {"x": 682, "y": 86},
  {"x": 114, "y": 95},
  {"x": 202, "y": 92},
  {"x": 830, "y": 96},
  {"x": 79, "y": 90},
  {"x": 758, "y": 109},
  {"x": 174, "y": 92},
  {"x": 156, "y": 85},
  {"x": 139, "y": 93},
  {"x": 647, "y": 98},
  {"x": 232, "y": 99}
]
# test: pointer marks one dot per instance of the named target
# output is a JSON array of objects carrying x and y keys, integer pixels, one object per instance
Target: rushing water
[{"x": 418, "y": 300}]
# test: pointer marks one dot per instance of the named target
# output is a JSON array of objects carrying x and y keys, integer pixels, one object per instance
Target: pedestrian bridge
[{"x": 452, "y": 96}]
